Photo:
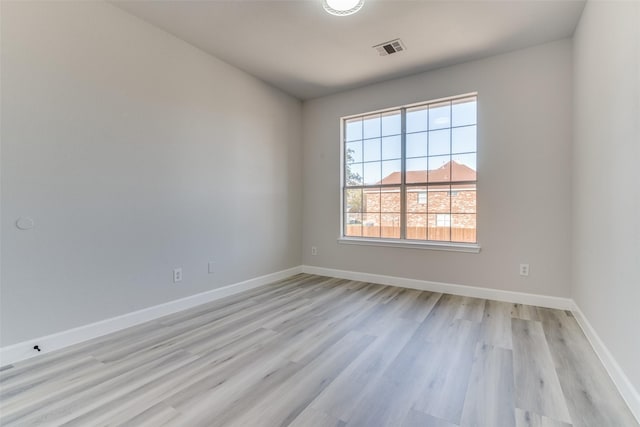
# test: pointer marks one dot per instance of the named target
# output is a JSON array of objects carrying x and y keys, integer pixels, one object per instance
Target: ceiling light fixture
[{"x": 342, "y": 7}]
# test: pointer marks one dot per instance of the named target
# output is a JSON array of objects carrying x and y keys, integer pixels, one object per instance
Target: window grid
[{"x": 363, "y": 222}]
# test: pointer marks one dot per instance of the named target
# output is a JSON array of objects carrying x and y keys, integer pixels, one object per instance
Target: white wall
[
  {"x": 524, "y": 159},
  {"x": 134, "y": 153},
  {"x": 606, "y": 176}
]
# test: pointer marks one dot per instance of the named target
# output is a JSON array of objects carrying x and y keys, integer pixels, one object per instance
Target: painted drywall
[
  {"x": 134, "y": 153},
  {"x": 524, "y": 159},
  {"x": 606, "y": 177}
]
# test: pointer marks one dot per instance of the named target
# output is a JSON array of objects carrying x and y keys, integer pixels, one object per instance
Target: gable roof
[{"x": 459, "y": 171}]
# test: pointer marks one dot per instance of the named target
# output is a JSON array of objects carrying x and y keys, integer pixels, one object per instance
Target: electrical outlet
[
  {"x": 314, "y": 250},
  {"x": 524, "y": 269},
  {"x": 177, "y": 275},
  {"x": 211, "y": 267}
]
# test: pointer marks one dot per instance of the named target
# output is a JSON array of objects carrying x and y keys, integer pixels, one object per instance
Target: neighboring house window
[
  {"x": 443, "y": 220},
  {"x": 410, "y": 172},
  {"x": 422, "y": 198}
]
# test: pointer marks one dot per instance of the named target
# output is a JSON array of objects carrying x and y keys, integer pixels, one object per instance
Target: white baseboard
[
  {"x": 448, "y": 288},
  {"x": 24, "y": 350},
  {"x": 629, "y": 393}
]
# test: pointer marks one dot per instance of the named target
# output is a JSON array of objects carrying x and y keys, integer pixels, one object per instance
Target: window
[
  {"x": 422, "y": 198},
  {"x": 410, "y": 173},
  {"x": 443, "y": 220}
]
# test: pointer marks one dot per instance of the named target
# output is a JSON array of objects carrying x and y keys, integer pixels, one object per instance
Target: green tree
[
  {"x": 353, "y": 178},
  {"x": 353, "y": 197}
]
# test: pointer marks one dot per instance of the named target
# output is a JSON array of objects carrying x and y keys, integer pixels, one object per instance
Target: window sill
[{"x": 393, "y": 243}]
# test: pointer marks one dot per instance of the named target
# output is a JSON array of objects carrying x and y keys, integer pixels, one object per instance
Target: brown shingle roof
[{"x": 459, "y": 171}]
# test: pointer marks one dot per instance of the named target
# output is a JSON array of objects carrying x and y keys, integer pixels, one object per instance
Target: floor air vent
[{"x": 387, "y": 48}]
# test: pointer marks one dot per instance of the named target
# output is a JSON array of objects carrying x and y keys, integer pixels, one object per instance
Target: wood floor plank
[
  {"x": 313, "y": 418},
  {"x": 421, "y": 306},
  {"x": 137, "y": 401},
  {"x": 451, "y": 362},
  {"x": 157, "y": 415},
  {"x": 342, "y": 396},
  {"x": 386, "y": 400},
  {"x": 48, "y": 362},
  {"x": 525, "y": 312},
  {"x": 60, "y": 407},
  {"x": 419, "y": 419},
  {"x": 496, "y": 324},
  {"x": 537, "y": 385},
  {"x": 490, "y": 399},
  {"x": 294, "y": 394},
  {"x": 531, "y": 419},
  {"x": 317, "y": 334},
  {"x": 471, "y": 309},
  {"x": 320, "y": 351},
  {"x": 442, "y": 315},
  {"x": 232, "y": 372},
  {"x": 572, "y": 355},
  {"x": 167, "y": 336},
  {"x": 76, "y": 366}
]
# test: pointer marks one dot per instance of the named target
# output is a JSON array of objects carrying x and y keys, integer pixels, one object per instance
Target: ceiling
[{"x": 299, "y": 48}]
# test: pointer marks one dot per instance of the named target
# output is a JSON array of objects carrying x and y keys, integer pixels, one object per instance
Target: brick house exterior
[{"x": 436, "y": 211}]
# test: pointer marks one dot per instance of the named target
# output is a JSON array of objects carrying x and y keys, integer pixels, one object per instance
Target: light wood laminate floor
[{"x": 314, "y": 351}]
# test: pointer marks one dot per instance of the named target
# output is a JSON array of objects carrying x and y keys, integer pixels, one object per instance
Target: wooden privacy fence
[{"x": 454, "y": 234}]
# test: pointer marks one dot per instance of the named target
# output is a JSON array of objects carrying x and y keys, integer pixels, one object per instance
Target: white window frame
[{"x": 400, "y": 243}]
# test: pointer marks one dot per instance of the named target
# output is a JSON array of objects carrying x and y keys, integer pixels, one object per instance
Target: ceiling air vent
[{"x": 387, "y": 48}]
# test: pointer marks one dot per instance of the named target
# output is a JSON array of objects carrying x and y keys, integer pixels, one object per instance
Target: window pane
[
  {"x": 463, "y": 198},
  {"x": 463, "y": 228},
  {"x": 371, "y": 200},
  {"x": 417, "y": 144},
  {"x": 391, "y": 124},
  {"x": 416, "y": 170},
  {"x": 463, "y": 112},
  {"x": 391, "y": 172},
  {"x": 464, "y": 139},
  {"x": 353, "y": 200},
  {"x": 416, "y": 119},
  {"x": 371, "y": 126},
  {"x": 371, "y": 173},
  {"x": 353, "y": 174},
  {"x": 371, "y": 149},
  {"x": 440, "y": 169},
  {"x": 371, "y": 225},
  {"x": 438, "y": 230},
  {"x": 440, "y": 116},
  {"x": 439, "y": 200},
  {"x": 390, "y": 200},
  {"x": 417, "y": 226},
  {"x": 391, "y": 148},
  {"x": 354, "y": 152},
  {"x": 464, "y": 167},
  {"x": 390, "y": 223},
  {"x": 353, "y": 129},
  {"x": 417, "y": 200},
  {"x": 353, "y": 224},
  {"x": 439, "y": 142}
]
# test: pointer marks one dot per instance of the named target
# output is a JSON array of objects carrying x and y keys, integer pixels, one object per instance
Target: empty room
[{"x": 320, "y": 213}]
